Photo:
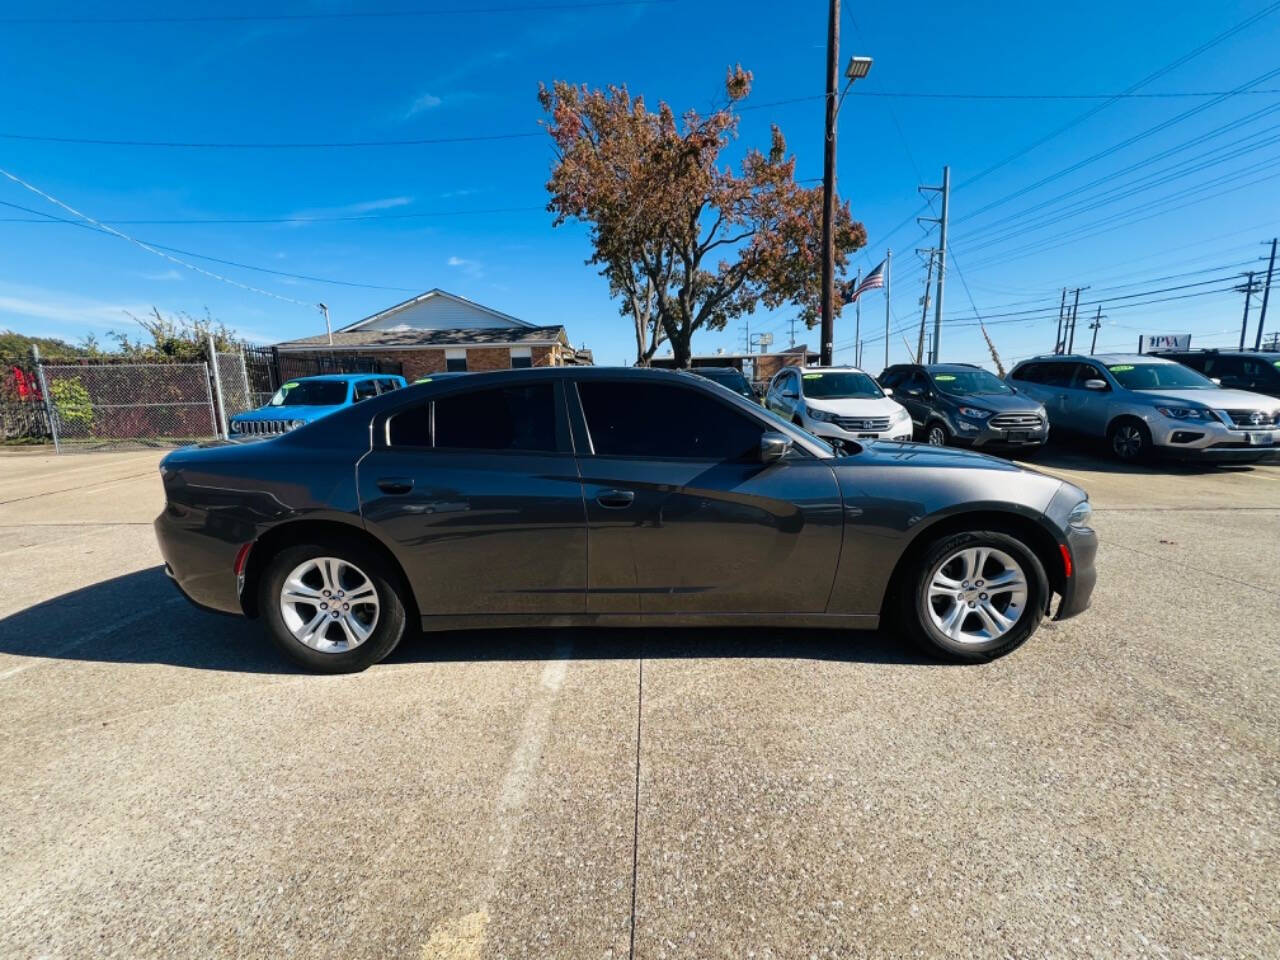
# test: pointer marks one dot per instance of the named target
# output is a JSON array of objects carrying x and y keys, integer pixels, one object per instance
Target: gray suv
[
  {"x": 962, "y": 405},
  {"x": 1145, "y": 405}
]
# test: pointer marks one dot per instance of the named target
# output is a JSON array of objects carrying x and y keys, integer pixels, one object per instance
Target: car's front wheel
[
  {"x": 936, "y": 434},
  {"x": 974, "y": 596},
  {"x": 1130, "y": 440},
  {"x": 332, "y": 607}
]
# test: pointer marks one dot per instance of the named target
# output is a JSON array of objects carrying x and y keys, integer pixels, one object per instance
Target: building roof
[
  {"x": 434, "y": 294},
  {"x": 409, "y": 338}
]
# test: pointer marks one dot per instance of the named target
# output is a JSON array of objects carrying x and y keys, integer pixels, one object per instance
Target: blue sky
[{"x": 468, "y": 217}]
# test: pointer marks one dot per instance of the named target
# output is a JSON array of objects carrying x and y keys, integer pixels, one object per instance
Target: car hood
[
  {"x": 287, "y": 413},
  {"x": 997, "y": 402},
  {"x": 896, "y": 452},
  {"x": 878, "y": 407},
  {"x": 1213, "y": 399}
]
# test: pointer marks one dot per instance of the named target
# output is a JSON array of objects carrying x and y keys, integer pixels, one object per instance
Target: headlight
[
  {"x": 974, "y": 413},
  {"x": 899, "y": 415},
  {"x": 824, "y": 415},
  {"x": 295, "y": 424},
  {"x": 235, "y": 426},
  {"x": 1187, "y": 413},
  {"x": 1080, "y": 515}
]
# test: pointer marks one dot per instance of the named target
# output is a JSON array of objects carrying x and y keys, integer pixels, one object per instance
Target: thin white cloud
[
  {"x": 348, "y": 210},
  {"x": 30, "y": 310},
  {"x": 472, "y": 268},
  {"x": 169, "y": 274},
  {"x": 427, "y": 101}
]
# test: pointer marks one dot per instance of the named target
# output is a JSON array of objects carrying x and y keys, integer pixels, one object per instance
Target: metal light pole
[
  {"x": 1266, "y": 295},
  {"x": 328, "y": 329},
  {"x": 858, "y": 68}
]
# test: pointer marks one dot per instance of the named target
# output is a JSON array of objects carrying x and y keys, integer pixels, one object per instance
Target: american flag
[{"x": 871, "y": 281}]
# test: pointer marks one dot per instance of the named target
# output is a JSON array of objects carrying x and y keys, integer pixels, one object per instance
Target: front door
[
  {"x": 479, "y": 491},
  {"x": 683, "y": 517}
]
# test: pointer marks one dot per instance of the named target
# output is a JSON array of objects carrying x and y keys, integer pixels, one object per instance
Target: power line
[
  {"x": 44, "y": 218},
  {"x": 161, "y": 250},
  {"x": 267, "y": 145},
  {"x": 335, "y": 15}
]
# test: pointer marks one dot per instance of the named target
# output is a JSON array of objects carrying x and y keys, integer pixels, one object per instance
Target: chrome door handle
[{"x": 616, "y": 499}]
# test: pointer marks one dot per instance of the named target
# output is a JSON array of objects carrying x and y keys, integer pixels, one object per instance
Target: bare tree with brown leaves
[{"x": 686, "y": 242}]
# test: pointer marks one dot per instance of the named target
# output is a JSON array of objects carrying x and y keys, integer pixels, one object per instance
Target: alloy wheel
[
  {"x": 1126, "y": 441},
  {"x": 976, "y": 595},
  {"x": 329, "y": 605},
  {"x": 937, "y": 437}
]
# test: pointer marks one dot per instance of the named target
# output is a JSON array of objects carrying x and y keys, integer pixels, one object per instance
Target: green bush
[{"x": 72, "y": 402}]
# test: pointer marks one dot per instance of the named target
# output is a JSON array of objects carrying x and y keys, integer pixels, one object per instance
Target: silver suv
[{"x": 1145, "y": 405}]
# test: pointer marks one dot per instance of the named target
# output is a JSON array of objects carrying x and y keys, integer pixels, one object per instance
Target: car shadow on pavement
[
  {"x": 1072, "y": 454},
  {"x": 140, "y": 618}
]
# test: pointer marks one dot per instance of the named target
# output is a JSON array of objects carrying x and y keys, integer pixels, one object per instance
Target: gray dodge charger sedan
[{"x": 571, "y": 496}]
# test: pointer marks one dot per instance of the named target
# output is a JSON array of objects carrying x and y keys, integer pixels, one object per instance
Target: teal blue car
[{"x": 307, "y": 399}]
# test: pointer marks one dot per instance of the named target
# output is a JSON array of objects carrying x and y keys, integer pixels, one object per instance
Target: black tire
[
  {"x": 936, "y": 434},
  {"x": 1129, "y": 440},
  {"x": 388, "y": 629},
  {"x": 914, "y": 599}
]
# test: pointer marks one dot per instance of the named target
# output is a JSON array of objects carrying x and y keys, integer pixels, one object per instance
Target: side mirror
[
  {"x": 912, "y": 391},
  {"x": 1095, "y": 385},
  {"x": 888, "y": 391},
  {"x": 773, "y": 446},
  {"x": 790, "y": 394},
  {"x": 1217, "y": 380}
]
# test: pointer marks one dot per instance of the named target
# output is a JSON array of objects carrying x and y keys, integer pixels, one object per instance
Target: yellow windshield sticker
[
  {"x": 1276, "y": 362},
  {"x": 290, "y": 385},
  {"x": 944, "y": 377},
  {"x": 813, "y": 376},
  {"x": 1121, "y": 368},
  {"x": 423, "y": 380}
]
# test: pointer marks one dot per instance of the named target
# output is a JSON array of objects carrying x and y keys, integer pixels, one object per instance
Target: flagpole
[
  {"x": 888, "y": 255},
  {"x": 857, "y": 322}
]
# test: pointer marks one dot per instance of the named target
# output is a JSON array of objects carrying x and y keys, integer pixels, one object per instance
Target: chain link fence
[
  {"x": 148, "y": 404},
  {"x": 102, "y": 403}
]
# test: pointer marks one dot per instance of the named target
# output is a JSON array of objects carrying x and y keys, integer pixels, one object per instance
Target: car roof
[
  {"x": 342, "y": 377},
  {"x": 944, "y": 367},
  {"x": 826, "y": 369},
  {"x": 1105, "y": 358},
  {"x": 714, "y": 370}
]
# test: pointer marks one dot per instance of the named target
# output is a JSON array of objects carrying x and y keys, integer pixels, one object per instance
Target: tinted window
[
  {"x": 311, "y": 393},
  {"x": 1197, "y": 361},
  {"x": 509, "y": 418},
  {"x": 456, "y": 365},
  {"x": 733, "y": 379},
  {"x": 969, "y": 383},
  {"x": 891, "y": 378},
  {"x": 365, "y": 389},
  {"x": 1087, "y": 371},
  {"x": 520, "y": 362},
  {"x": 1030, "y": 372},
  {"x": 658, "y": 420},
  {"x": 1057, "y": 374},
  {"x": 387, "y": 385}
]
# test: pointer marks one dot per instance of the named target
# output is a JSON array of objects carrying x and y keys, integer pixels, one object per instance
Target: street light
[{"x": 858, "y": 68}]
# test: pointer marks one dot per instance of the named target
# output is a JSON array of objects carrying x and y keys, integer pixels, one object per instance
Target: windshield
[
  {"x": 971, "y": 383},
  {"x": 840, "y": 386},
  {"x": 311, "y": 393},
  {"x": 729, "y": 378},
  {"x": 1159, "y": 376}
]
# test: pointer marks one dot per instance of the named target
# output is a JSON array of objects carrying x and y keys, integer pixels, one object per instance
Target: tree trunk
[{"x": 681, "y": 350}]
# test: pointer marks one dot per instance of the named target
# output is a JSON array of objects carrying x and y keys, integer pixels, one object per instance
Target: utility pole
[
  {"x": 1075, "y": 309},
  {"x": 746, "y": 336},
  {"x": 827, "y": 350},
  {"x": 1062, "y": 309},
  {"x": 888, "y": 255},
  {"x": 941, "y": 221},
  {"x": 1097, "y": 322},
  {"x": 1266, "y": 295},
  {"x": 1248, "y": 288},
  {"x": 792, "y": 321},
  {"x": 924, "y": 315}
]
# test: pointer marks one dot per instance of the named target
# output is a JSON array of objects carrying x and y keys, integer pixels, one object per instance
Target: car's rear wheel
[
  {"x": 332, "y": 607},
  {"x": 1130, "y": 440},
  {"x": 935, "y": 434},
  {"x": 974, "y": 596}
]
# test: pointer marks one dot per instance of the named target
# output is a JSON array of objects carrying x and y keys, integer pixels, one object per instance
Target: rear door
[
  {"x": 682, "y": 515},
  {"x": 478, "y": 492}
]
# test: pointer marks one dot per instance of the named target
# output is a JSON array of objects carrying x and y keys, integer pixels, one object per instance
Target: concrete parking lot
[{"x": 172, "y": 788}]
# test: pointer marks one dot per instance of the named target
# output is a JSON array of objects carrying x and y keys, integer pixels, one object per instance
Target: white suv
[{"x": 837, "y": 403}]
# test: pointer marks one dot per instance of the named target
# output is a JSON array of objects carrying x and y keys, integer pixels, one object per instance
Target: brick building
[
  {"x": 759, "y": 368},
  {"x": 439, "y": 331}
]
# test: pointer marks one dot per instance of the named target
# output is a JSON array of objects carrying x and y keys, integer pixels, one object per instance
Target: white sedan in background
[{"x": 837, "y": 403}]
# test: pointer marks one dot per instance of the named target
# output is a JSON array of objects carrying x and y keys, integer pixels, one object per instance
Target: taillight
[
  {"x": 242, "y": 557},
  {"x": 1066, "y": 559}
]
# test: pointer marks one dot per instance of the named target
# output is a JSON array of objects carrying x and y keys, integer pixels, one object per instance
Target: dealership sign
[{"x": 1164, "y": 341}]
